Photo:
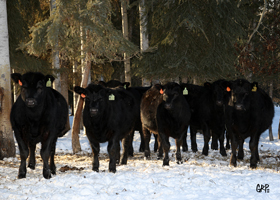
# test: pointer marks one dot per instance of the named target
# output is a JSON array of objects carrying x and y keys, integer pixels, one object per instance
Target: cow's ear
[
  {"x": 49, "y": 80},
  {"x": 208, "y": 85},
  {"x": 81, "y": 91},
  {"x": 17, "y": 78},
  {"x": 102, "y": 83},
  {"x": 254, "y": 86},
  {"x": 126, "y": 85},
  {"x": 160, "y": 88}
]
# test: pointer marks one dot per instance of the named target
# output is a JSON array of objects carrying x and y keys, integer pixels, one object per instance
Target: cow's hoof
[
  {"x": 47, "y": 173},
  {"x": 179, "y": 162},
  {"x": 223, "y": 153},
  {"x": 205, "y": 153},
  {"x": 20, "y": 176},
  {"x": 185, "y": 149},
  {"x": 253, "y": 166},
  {"x": 31, "y": 166},
  {"x": 95, "y": 169},
  {"x": 112, "y": 170}
]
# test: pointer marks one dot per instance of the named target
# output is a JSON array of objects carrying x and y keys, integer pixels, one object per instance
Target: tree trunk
[
  {"x": 7, "y": 143},
  {"x": 279, "y": 130},
  {"x": 55, "y": 55},
  {"x": 64, "y": 90},
  {"x": 78, "y": 112},
  {"x": 271, "y": 95},
  {"x": 144, "y": 41},
  {"x": 75, "y": 82},
  {"x": 125, "y": 35}
]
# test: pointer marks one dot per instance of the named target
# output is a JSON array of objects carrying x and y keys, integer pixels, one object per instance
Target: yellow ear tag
[
  {"x": 49, "y": 83},
  {"x": 111, "y": 97},
  {"x": 185, "y": 91},
  {"x": 124, "y": 87},
  {"x": 254, "y": 88}
]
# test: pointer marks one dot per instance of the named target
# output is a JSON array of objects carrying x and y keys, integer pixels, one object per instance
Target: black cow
[
  {"x": 137, "y": 92},
  {"x": 109, "y": 115},
  {"x": 208, "y": 113},
  {"x": 39, "y": 115},
  {"x": 249, "y": 114},
  {"x": 164, "y": 111}
]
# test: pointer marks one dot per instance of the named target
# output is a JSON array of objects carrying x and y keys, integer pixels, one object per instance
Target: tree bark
[
  {"x": 125, "y": 35},
  {"x": 7, "y": 143},
  {"x": 271, "y": 95},
  {"x": 144, "y": 41},
  {"x": 279, "y": 130},
  {"x": 55, "y": 56},
  {"x": 78, "y": 112}
]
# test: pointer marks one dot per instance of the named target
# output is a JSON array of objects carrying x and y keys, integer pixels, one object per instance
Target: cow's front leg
[
  {"x": 206, "y": 134},
  {"x": 32, "y": 161},
  {"x": 125, "y": 145},
  {"x": 112, "y": 151},
  {"x": 165, "y": 146},
  {"x": 46, "y": 152},
  {"x": 178, "y": 150},
  {"x": 23, "y": 150}
]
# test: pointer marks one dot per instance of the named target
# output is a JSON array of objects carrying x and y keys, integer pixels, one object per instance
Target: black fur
[
  {"x": 164, "y": 111},
  {"x": 39, "y": 115},
  {"x": 249, "y": 114},
  {"x": 108, "y": 120},
  {"x": 208, "y": 113}
]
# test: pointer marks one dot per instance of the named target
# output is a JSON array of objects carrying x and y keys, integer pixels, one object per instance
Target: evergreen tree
[
  {"x": 21, "y": 16},
  {"x": 192, "y": 38},
  {"x": 105, "y": 42}
]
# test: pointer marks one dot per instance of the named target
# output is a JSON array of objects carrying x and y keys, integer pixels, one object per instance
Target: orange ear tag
[
  {"x": 83, "y": 95},
  {"x": 228, "y": 89},
  {"x": 161, "y": 91},
  {"x": 19, "y": 82}
]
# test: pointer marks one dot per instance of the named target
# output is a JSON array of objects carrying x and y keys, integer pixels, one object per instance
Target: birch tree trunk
[
  {"x": 55, "y": 55},
  {"x": 7, "y": 143},
  {"x": 127, "y": 74},
  {"x": 75, "y": 82},
  {"x": 144, "y": 41}
]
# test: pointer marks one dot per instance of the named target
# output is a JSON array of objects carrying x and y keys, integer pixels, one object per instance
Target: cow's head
[
  {"x": 1, "y": 98},
  {"x": 95, "y": 97},
  {"x": 221, "y": 91},
  {"x": 114, "y": 84},
  {"x": 33, "y": 86},
  {"x": 171, "y": 92},
  {"x": 241, "y": 94}
]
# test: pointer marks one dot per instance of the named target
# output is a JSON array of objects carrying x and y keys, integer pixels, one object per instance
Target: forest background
[{"x": 79, "y": 41}]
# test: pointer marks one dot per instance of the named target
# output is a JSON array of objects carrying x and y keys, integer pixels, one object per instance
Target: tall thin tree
[
  {"x": 7, "y": 144},
  {"x": 144, "y": 41},
  {"x": 124, "y": 4}
]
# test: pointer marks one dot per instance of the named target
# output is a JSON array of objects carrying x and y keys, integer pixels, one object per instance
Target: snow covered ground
[{"x": 199, "y": 177}]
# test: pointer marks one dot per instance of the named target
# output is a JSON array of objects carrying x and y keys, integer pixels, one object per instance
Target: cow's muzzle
[
  {"x": 93, "y": 111},
  {"x": 30, "y": 102},
  {"x": 219, "y": 103},
  {"x": 239, "y": 107},
  {"x": 167, "y": 106}
]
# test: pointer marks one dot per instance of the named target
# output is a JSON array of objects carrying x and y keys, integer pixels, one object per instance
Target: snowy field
[{"x": 199, "y": 177}]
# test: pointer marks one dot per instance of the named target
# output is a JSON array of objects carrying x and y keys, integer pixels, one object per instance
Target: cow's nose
[
  {"x": 219, "y": 103},
  {"x": 239, "y": 107},
  {"x": 30, "y": 102},
  {"x": 93, "y": 111},
  {"x": 167, "y": 106}
]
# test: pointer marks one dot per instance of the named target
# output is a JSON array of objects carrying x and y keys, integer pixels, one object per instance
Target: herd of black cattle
[{"x": 113, "y": 110}]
